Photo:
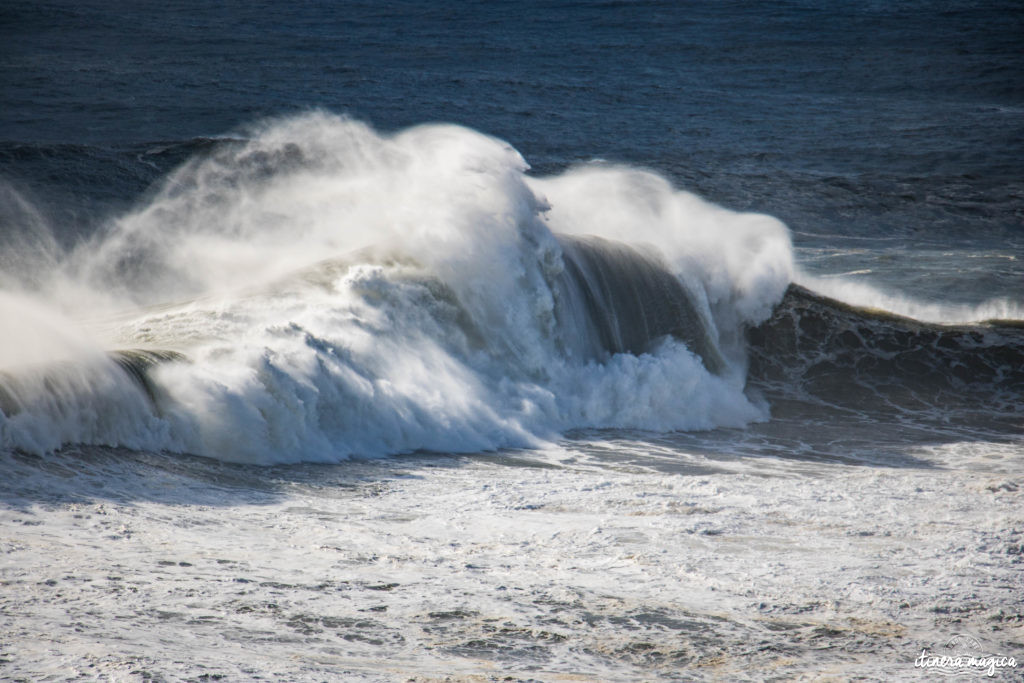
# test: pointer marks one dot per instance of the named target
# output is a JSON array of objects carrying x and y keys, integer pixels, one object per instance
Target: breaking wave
[
  {"x": 314, "y": 291},
  {"x": 317, "y": 291}
]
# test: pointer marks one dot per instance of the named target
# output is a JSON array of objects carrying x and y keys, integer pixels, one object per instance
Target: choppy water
[{"x": 688, "y": 347}]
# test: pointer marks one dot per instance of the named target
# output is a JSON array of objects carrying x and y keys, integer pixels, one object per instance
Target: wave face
[
  {"x": 316, "y": 291},
  {"x": 825, "y": 352}
]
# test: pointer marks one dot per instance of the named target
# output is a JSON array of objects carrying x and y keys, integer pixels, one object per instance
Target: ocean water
[{"x": 532, "y": 341}]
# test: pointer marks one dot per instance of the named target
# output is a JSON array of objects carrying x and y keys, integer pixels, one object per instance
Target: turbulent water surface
[{"x": 692, "y": 347}]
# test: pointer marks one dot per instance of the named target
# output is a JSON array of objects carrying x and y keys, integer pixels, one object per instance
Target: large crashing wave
[{"x": 318, "y": 291}]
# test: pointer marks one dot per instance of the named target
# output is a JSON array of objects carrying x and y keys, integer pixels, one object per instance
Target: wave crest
[{"x": 337, "y": 292}]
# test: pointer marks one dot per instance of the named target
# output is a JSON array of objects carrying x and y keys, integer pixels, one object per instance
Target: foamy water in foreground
[{"x": 599, "y": 560}]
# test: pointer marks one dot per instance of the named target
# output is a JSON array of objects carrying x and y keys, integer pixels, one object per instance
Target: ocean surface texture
[{"x": 537, "y": 341}]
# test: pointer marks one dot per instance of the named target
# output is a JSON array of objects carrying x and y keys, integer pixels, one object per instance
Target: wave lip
[{"x": 1000, "y": 310}]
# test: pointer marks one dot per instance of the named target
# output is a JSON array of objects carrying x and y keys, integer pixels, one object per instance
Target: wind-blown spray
[{"x": 328, "y": 292}]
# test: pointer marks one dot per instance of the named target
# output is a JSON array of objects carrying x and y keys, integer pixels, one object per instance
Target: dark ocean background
[{"x": 898, "y": 121}]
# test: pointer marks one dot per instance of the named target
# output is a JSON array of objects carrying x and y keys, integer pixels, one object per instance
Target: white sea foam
[
  {"x": 450, "y": 335},
  {"x": 865, "y": 295},
  {"x": 593, "y": 563}
]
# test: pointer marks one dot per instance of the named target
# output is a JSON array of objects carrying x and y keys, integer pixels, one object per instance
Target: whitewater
[
  {"x": 330, "y": 403},
  {"x": 330, "y": 292}
]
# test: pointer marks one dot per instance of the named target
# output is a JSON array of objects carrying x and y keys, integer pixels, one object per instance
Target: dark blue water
[{"x": 894, "y": 119}]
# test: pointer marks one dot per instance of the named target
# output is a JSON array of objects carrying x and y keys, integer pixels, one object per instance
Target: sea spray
[
  {"x": 866, "y": 295},
  {"x": 58, "y": 386},
  {"x": 330, "y": 292}
]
